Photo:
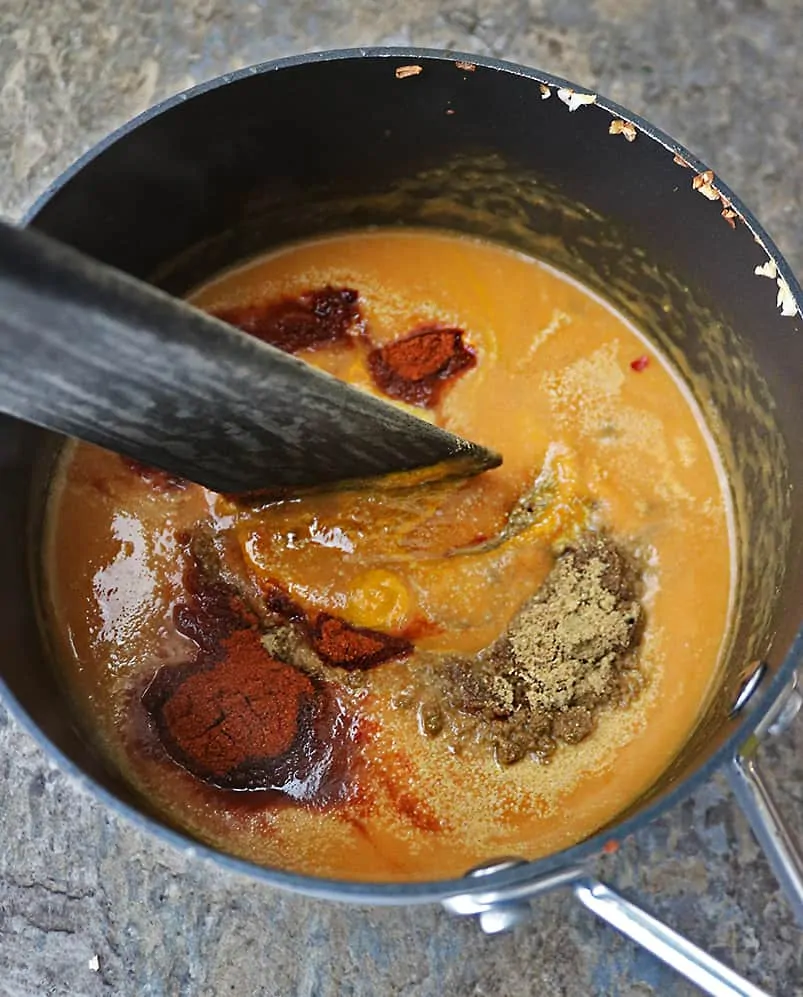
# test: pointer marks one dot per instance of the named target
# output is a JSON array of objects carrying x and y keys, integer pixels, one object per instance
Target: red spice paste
[
  {"x": 354, "y": 648},
  {"x": 235, "y": 716},
  {"x": 307, "y": 322},
  {"x": 213, "y": 610},
  {"x": 415, "y": 369},
  {"x": 336, "y": 642},
  {"x": 238, "y": 722}
]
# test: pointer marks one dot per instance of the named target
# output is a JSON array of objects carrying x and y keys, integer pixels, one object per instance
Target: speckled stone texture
[{"x": 76, "y": 882}]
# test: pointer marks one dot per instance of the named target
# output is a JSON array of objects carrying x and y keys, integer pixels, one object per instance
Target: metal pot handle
[
  {"x": 501, "y": 908},
  {"x": 686, "y": 958},
  {"x": 754, "y": 796}
]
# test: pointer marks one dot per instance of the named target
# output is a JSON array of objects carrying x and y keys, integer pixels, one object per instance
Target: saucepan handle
[
  {"x": 708, "y": 973},
  {"x": 500, "y": 909},
  {"x": 753, "y": 793}
]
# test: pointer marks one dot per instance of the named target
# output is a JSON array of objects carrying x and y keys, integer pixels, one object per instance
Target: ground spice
[
  {"x": 323, "y": 638},
  {"x": 353, "y": 648},
  {"x": 569, "y": 652},
  {"x": 416, "y": 368},
  {"x": 234, "y": 722},
  {"x": 307, "y": 322},
  {"x": 213, "y": 609},
  {"x": 566, "y": 643},
  {"x": 237, "y": 716}
]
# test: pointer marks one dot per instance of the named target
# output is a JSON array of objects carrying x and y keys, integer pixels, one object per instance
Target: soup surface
[{"x": 335, "y": 683}]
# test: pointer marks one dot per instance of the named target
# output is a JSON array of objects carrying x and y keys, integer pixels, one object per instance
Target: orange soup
[{"x": 398, "y": 683}]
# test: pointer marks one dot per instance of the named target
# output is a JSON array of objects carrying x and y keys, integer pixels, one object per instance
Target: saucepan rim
[{"x": 384, "y": 893}]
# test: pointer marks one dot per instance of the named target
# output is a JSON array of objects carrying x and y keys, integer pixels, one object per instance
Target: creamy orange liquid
[{"x": 553, "y": 384}]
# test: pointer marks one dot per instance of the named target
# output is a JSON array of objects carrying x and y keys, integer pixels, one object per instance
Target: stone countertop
[{"x": 79, "y": 884}]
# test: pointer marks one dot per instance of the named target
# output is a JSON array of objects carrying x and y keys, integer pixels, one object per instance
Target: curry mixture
[{"x": 397, "y": 683}]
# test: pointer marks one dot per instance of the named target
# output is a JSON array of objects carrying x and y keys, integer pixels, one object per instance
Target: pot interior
[{"x": 342, "y": 142}]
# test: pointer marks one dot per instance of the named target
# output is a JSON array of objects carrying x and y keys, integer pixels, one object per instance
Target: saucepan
[{"x": 386, "y": 136}]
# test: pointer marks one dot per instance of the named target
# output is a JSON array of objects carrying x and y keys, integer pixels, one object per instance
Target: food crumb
[
  {"x": 640, "y": 363},
  {"x": 402, "y": 72},
  {"x": 468, "y": 67},
  {"x": 94, "y": 964},
  {"x": 573, "y": 100},
  {"x": 626, "y": 128},
  {"x": 767, "y": 269},
  {"x": 704, "y": 184},
  {"x": 546, "y": 93},
  {"x": 785, "y": 301}
]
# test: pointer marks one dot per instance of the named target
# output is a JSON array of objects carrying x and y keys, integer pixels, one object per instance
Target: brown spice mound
[
  {"x": 568, "y": 653},
  {"x": 308, "y": 322},
  {"x": 566, "y": 644},
  {"x": 416, "y": 368}
]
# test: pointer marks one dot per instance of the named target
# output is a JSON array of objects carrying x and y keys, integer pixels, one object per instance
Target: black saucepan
[{"x": 348, "y": 139}]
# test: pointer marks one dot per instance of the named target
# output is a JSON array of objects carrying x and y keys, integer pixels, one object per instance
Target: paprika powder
[
  {"x": 239, "y": 722},
  {"x": 235, "y": 716},
  {"x": 416, "y": 368},
  {"x": 354, "y": 648}
]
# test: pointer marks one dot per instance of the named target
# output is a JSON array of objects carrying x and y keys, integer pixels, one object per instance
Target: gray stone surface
[{"x": 77, "y": 882}]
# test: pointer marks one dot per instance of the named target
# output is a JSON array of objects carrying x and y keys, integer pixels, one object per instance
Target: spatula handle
[{"x": 88, "y": 351}]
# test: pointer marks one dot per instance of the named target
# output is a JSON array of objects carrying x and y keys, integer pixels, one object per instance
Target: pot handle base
[
  {"x": 755, "y": 798},
  {"x": 499, "y": 909},
  {"x": 709, "y": 974}
]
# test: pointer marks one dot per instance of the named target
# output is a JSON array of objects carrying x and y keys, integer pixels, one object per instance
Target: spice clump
[
  {"x": 342, "y": 645},
  {"x": 309, "y": 321},
  {"x": 569, "y": 652},
  {"x": 417, "y": 367},
  {"x": 233, "y": 722},
  {"x": 235, "y": 715}
]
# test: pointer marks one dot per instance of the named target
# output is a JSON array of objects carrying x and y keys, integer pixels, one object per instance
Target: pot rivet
[
  {"x": 494, "y": 865},
  {"x": 749, "y": 680},
  {"x": 503, "y": 915}
]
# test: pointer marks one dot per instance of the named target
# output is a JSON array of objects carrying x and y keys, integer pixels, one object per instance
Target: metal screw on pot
[
  {"x": 503, "y": 915},
  {"x": 753, "y": 678}
]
